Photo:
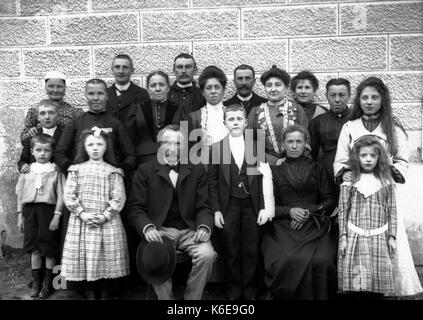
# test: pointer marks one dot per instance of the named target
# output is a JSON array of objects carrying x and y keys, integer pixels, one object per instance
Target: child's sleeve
[
  {"x": 391, "y": 205},
  {"x": 400, "y": 157},
  {"x": 117, "y": 195},
  {"x": 18, "y": 191},
  {"x": 342, "y": 157},
  {"x": 70, "y": 194},
  {"x": 343, "y": 205},
  {"x": 59, "y": 191}
]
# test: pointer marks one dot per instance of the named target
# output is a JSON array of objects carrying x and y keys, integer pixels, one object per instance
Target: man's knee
[{"x": 207, "y": 253}]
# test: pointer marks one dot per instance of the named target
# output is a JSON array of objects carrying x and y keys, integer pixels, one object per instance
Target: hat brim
[{"x": 167, "y": 274}]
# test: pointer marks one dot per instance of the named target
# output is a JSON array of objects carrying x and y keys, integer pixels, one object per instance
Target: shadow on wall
[{"x": 11, "y": 124}]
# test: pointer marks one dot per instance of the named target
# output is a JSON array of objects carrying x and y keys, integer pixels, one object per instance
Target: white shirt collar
[
  {"x": 124, "y": 87},
  {"x": 50, "y": 131},
  {"x": 244, "y": 98},
  {"x": 184, "y": 85},
  {"x": 236, "y": 140}
]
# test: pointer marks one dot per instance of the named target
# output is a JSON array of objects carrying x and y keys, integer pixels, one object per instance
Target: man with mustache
[
  {"x": 244, "y": 81},
  {"x": 184, "y": 91}
]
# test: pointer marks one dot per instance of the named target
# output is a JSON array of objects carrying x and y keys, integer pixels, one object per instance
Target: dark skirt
[
  {"x": 300, "y": 264},
  {"x": 36, "y": 226}
]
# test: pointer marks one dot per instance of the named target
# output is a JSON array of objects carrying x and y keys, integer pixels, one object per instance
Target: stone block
[
  {"x": 219, "y": 3},
  {"x": 146, "y": 58},
  {"x": 9, "y": 63},
  {"x": 289, "y": 21},
  {"x": 105, "y": 28},
  {"x": 404, "y": 86},
  {"x": 23, "y": 31},
  {"x": 192, "y": 25},
  {"x": 137, "y": 4},
  {"x": 72, "y": 62},
  {"x": 75, "y": 92},
  {"x": 348, "y": 53},
  {"x": 410, "y": 115},
  {"x": 261, "y": 55},
  {"x": 8, "y": 8},
  {"x": 406, "y": 52},
  {"x": 42, "y": 7},
  {"x": 21, "y": 94},
  {"x": 381, "y": 17}
]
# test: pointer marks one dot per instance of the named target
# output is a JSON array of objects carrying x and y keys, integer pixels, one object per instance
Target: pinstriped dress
[
  {"x": 93, "y": 253},
  {"x": 367, "y": 264}
]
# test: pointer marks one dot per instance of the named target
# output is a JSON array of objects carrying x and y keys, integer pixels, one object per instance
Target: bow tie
[{"x": 174, "y": 168}]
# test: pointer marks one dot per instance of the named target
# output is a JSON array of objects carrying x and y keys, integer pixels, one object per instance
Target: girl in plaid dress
[
  {"x": 95, "y": 248},
  {"x": 367, "y": 222}
]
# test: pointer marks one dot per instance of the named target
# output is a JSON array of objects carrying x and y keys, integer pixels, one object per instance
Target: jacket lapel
[
  {"x": 163, "y": 172},
  {"x": 184, "y": 171},
  {"x": 129, "y": 96},
  {"x": 225, "y": 156}
]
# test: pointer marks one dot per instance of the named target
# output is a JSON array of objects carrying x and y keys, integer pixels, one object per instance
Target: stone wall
[{"x": 352, "y": 39}]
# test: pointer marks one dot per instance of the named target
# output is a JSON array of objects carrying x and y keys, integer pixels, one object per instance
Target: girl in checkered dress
[
  {"x": 95, "y": 248},
  {"x": 367, "y": 222}
]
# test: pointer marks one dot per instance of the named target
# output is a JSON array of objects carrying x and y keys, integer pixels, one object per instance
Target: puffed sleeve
[
  {"x": 400, "y": 157},
  {"x": 70, "y": 192},
  {"x": 343, "y": 207},
  {"x": 342, "y": 151},
  {"x": 391, "y": 206},
  {"x": 117, "y": 195}
]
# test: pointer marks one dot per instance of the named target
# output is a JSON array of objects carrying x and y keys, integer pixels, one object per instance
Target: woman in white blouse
[{"x": 209, "y": 119}]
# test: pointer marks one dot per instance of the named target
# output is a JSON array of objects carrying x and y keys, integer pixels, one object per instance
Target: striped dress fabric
[
  {"x": 367, "y": 264},
  {"x": 93, "y": 253}
]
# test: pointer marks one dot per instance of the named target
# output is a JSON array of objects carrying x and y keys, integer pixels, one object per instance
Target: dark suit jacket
[
  {"x": 219, "y": 179},
  {"x": 134, "y": 95},
  {"x": 27, "y": 157},
  {"x": 255, "y": 101},
  {"x": 152, "y": 194}
]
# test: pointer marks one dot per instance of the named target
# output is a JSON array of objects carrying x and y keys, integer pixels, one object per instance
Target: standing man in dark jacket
[
  {"x": 184, "y": 92},
  {"x": 244, "y": 80},
  {"x": 124, "y": 94}
]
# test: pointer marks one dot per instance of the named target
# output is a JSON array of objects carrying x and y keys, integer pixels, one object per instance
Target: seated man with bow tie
[{"x": 169, "y": 198}]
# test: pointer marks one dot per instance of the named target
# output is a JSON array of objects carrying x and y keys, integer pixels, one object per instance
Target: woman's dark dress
[{"x": 301, "y": 264}]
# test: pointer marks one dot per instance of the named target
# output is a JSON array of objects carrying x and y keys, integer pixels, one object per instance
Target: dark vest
[
  {"x": 174, "y": 218},
  {"x": 239, "y": 180}
]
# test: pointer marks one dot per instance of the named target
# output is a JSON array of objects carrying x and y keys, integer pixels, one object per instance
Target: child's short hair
[
  {"x": 82, "y": 155},
  {"x": 295, "y": 128},
  {"x": 232, "y": 108},
  {"x": 382, "y": 169},
  {"x": 42, "y": 139},
  {"x": 45, "y": 103}
]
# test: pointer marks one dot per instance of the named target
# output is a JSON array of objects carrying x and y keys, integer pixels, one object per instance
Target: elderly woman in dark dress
[
  {"x": 275, "y": 114},
  {"x": 299, "y": 251},
  {"x": 147, "y": 119}
]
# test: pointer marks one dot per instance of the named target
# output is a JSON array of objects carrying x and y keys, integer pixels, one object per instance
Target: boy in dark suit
[{"x": 236, "y": 196}]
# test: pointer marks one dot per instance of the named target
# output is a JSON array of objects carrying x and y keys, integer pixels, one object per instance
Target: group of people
[{"x": 292, "y": 197}]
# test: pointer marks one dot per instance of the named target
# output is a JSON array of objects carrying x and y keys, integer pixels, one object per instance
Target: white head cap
[{"x": 55, "y": 75}]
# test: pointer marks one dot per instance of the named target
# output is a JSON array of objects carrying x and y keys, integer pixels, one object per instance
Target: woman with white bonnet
[{"x": 55, "y": 86}]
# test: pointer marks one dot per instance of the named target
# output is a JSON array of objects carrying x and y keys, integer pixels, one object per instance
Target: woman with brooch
[{"x": 276, "y": 114}]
